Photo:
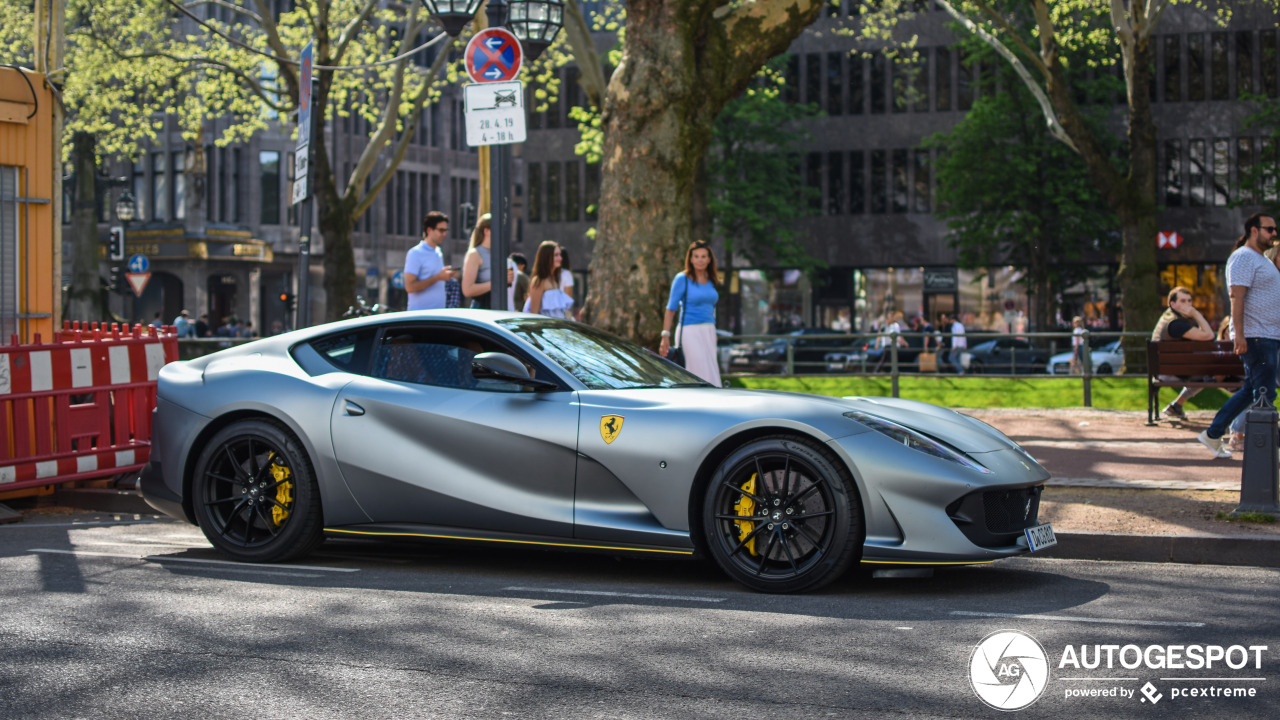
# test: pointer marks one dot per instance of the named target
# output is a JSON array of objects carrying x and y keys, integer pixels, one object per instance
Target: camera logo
[{"x": 1008, "y": 670}]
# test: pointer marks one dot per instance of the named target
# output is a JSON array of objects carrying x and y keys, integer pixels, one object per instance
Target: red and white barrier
[{"x": 80, "y": 407}]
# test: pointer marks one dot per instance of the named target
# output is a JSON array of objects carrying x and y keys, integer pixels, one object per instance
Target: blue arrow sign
[{"x": 138, "y": 263}]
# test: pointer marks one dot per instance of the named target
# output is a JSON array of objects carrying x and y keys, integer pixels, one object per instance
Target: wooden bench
[{"x": 1194, "y": 360}]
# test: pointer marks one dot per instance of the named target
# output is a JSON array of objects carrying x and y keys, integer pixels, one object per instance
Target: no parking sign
[{"x": 493, "y": 55}]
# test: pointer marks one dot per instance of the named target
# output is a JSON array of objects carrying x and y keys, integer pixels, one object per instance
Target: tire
[
  {"x": 1103, "y": 369},
  {"x": 976, "y": 368},
  {"x": 812, "y": 530},
  {"x": 255, "y": 495}
]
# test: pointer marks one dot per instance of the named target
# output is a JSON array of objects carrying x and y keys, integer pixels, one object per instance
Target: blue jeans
[{"x": 1260, "y": 360}]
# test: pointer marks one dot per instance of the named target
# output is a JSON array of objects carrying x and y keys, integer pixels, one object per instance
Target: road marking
[
  {"x": 1073, "y": 618},
  {"x": 163, "y": 559},
  {"x": 605, "y": 593}
]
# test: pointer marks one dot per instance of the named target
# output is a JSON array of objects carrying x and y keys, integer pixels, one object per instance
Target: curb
[
  {"x": 1195, "y": 549},
  {"x": 107, "y": 500}
]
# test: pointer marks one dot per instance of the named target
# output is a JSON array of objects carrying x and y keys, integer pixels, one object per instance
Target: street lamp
[
  {"x": 452, "y": 14},
  {"x": 536, "y": 23},
  {"x": 126, "y": 207}
]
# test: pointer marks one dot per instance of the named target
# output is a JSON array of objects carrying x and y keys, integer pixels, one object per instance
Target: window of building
[
  {"x": 1244, "y": 166},
  {"x": 1267, "y": 58},
  {"x": 269, "y": 172},
  {"x": 1173, "y": 173},
  {"x": 535, "y": 192},
  {"x": 920, "y": 81},
  {"x": 857, "y": 83},
  {"x": 531, "y": 102},
  {"x": 813, "y": 79},
  {"x": 1172, "y": 77},
  {"x": 178, "y": 200},
  {"x": 1197, "y": 67},
  {"x": 1221, "y": 171},
  {"x": 899, "y": 181},
  {"x": 554, "y": 206},
  {"x": 593, "y": 191},
  {"x": 210, "y": 182},
  {"x": 1269, "y": 160},
  {"x": 835, "y": 183},
  {"x": 857, "y": 183},
  {"x": 965, "y": 72},
  {"x": 159, "y": 186},
  {"x": 139, "y": 189},
  {"x": 879, "y": 182},
  {"x": 1197, "y": 171},
  {"x": 1218, "y": 72},
  {"x": 791, "y": 80},
  {"x": 572, "y": 90},
  {"x": 835, "y": 83},
  {"x": 1244, "y": 62},
  {"x": 235, "y": 190},
  {"x": 402, "y": 205},
  {"x": 813, "y": 182},
  {"x": 942, "y": 78},
  {"x": 389, "y": 204},
  {"x": 921, "y": 195},
  {"x": 572, "y": 192},
  {"x": 879, "y": 83}
]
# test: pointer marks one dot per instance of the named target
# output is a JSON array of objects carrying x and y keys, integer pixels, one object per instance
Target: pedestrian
[
  {"x": 1254, "y": 285},
  {"x": 566, "y": 273},
  {"x": 957, "y": 343},
  {"x": 202, "y": 326},
  {"x": 424, "y": 270},
  {"x": 545, "y": 295},
  {"x": 183, "y": 325},
  {"x": 156, "y": 322},
  {"x": 694, "y": 296},
  {"x": 476, "y": 266},
  {"x": 1180, "y": 321},
  {"x": 517, "y": 280},
  {"x": 1077, "y": 345}
]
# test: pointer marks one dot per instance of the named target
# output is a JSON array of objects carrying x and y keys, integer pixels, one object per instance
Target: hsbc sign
[{"x": 1168, "y": 240}]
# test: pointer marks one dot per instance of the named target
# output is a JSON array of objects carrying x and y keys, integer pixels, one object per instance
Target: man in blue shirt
[{"x": 424, "y": 270}]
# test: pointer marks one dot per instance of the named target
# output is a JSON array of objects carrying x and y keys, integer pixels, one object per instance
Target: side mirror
[{"x": 501, "y": 366}]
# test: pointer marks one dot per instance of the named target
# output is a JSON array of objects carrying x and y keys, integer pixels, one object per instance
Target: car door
[{"x": 420, "y": 440}]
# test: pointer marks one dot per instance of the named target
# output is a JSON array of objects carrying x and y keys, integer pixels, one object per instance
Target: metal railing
[{"x": 898, "y": 354}]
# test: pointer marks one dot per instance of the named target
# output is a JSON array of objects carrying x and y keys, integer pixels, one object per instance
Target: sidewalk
[{"x": 1107, "y": 458}]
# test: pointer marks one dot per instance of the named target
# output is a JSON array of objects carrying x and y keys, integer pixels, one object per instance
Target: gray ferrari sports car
[{"x": 476, "y": 425}]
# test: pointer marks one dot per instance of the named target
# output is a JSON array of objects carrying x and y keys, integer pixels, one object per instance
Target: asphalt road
[{"x": 145, "y": 620}]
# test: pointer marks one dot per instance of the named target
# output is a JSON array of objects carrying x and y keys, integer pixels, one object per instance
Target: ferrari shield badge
[{"x": 610, "y": 426}]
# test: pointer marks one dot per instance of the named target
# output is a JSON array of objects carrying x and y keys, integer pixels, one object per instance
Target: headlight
[{"x": 915, "y": 440}]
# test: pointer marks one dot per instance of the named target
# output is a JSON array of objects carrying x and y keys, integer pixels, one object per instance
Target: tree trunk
[
  {"x": 682, "y": 61},
  {"x": 335, "y": 224},
  {"x": 86, "y": 301}
]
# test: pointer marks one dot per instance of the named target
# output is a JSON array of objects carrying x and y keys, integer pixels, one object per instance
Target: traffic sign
[
  {"x": 139, "y": 264},
  {"x": 493, "y": 55},
  {"x": 1168, "y": 239},
  {"x": 138, "y": 280},
  {"x": 304, "y": 98},
  {"x": 494, "y": 113},
  {"x": 300, "y": 172},
  {"x": 397, "y": 280}
]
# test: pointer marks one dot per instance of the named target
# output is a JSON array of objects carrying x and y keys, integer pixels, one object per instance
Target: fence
[
  {"x": 80, "y": 407},
  {"x": 898, "y": 354}
]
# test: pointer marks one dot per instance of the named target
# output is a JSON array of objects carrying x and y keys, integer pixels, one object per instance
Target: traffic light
[
  {"x": 115, "y": 243},
  {"x": 117, "y": 281},
  {"x": 288, "y": 300}
]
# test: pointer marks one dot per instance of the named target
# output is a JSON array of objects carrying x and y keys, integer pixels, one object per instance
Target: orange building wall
[{"x": 28, "y": 143}]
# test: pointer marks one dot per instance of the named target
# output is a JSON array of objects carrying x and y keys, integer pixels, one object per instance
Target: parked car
[
  {"x": 770, "y": 356},
  {"x": 496, "y": 427},
  {"x": 1107, "y": 359},
  {"x": 1004, "y": 355}
]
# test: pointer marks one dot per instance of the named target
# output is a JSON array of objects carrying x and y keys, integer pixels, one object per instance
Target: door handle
[{"x": 353, "y": 409}]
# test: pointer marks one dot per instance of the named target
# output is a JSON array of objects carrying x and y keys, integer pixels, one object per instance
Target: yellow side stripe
[{"x": 514, "y": 542}]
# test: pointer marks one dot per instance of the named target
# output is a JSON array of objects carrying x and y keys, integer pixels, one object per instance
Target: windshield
[{"x": 597, "y": 359}]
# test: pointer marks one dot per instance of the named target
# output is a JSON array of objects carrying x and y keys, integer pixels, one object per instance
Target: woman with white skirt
[{"x": 695, "y": 331}]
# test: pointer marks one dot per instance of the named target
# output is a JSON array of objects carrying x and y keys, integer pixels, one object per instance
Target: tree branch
[{"x": 594, "y": 83}]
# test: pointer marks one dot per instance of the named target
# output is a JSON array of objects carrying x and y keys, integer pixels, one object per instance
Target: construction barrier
[{"x": 80, "y": 407}]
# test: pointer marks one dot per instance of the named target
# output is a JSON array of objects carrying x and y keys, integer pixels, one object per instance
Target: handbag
[
  {"x": 928, "y": 361},
  {"x": 676, "y": 353}
]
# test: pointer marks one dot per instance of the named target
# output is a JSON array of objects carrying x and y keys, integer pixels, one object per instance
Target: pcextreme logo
[{"x": 1008, "y": 670}]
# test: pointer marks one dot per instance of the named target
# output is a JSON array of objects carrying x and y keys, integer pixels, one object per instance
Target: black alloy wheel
[
  {"x": 782, "y": 514},
  {"x": 255, "y": 495}
]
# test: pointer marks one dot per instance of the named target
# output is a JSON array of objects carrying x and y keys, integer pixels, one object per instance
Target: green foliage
[
  {"x": 755, "y": 187},
  {"x": 1259, "y": 181}
]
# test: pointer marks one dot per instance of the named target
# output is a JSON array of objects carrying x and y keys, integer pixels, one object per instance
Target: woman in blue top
[{"x": 695, "y": 288}]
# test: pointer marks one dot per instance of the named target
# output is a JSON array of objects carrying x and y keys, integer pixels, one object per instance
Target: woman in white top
[
  {"x": 545, "y": 295},
  {"x": 477, "y": 266}
]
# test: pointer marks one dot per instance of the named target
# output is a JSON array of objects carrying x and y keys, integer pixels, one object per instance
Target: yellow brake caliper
[
  {"x": 284, "y": 491},
  {"x": 746, "y": 507}
]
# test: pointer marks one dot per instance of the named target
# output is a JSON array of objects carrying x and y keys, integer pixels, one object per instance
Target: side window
[
  {"x": 347, "y": 352},
  {"x": 434, "y": 356}
]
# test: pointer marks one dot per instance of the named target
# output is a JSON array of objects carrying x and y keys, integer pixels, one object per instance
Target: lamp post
[{"x": 535, "y": 23}]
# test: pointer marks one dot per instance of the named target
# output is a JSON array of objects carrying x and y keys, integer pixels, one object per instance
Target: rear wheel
[
  {"x": 255, "y": 495},
  {"x": 781, "y": 514},
  {"x": 1103, "y": 369}
]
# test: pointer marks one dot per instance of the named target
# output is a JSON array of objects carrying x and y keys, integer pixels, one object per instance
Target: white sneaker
[{"x": 1214, "y": 444}]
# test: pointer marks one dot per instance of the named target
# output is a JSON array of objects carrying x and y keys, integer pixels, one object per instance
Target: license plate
[{"x": 1040, "y": 537}]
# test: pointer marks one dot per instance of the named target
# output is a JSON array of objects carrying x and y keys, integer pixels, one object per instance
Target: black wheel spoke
[
  {"x": 764, "y": 556},
  {"x": 233, "y": 462},
  {"x": 225, "y": 531},
  {"x": 222, "y": 501},
  {"x": 817, "y": 541},
  {"x": 786, "y": 478},
  {"x": 267, "y": 522},
  {"x": 786, "y": 547},
  {"x": 223, "y": 478},
  {"x": 802, "y": 494},
  {"x": 742, "y": 543},
  {"x": 744, "y": 493},
  {"x": 735, "y": 517},
  {"x": 812, "y": 516}
]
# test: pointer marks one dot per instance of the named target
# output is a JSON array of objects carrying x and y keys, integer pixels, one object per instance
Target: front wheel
[
  {"x": 781, "y": 514},
  {"x": 255, "y": 495}
]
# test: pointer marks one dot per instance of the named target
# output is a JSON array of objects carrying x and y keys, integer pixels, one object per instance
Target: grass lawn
[{"x": 1117, "y": 393}]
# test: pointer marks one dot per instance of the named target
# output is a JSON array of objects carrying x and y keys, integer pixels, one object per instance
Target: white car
[{"x": 1107, "y": 360}]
